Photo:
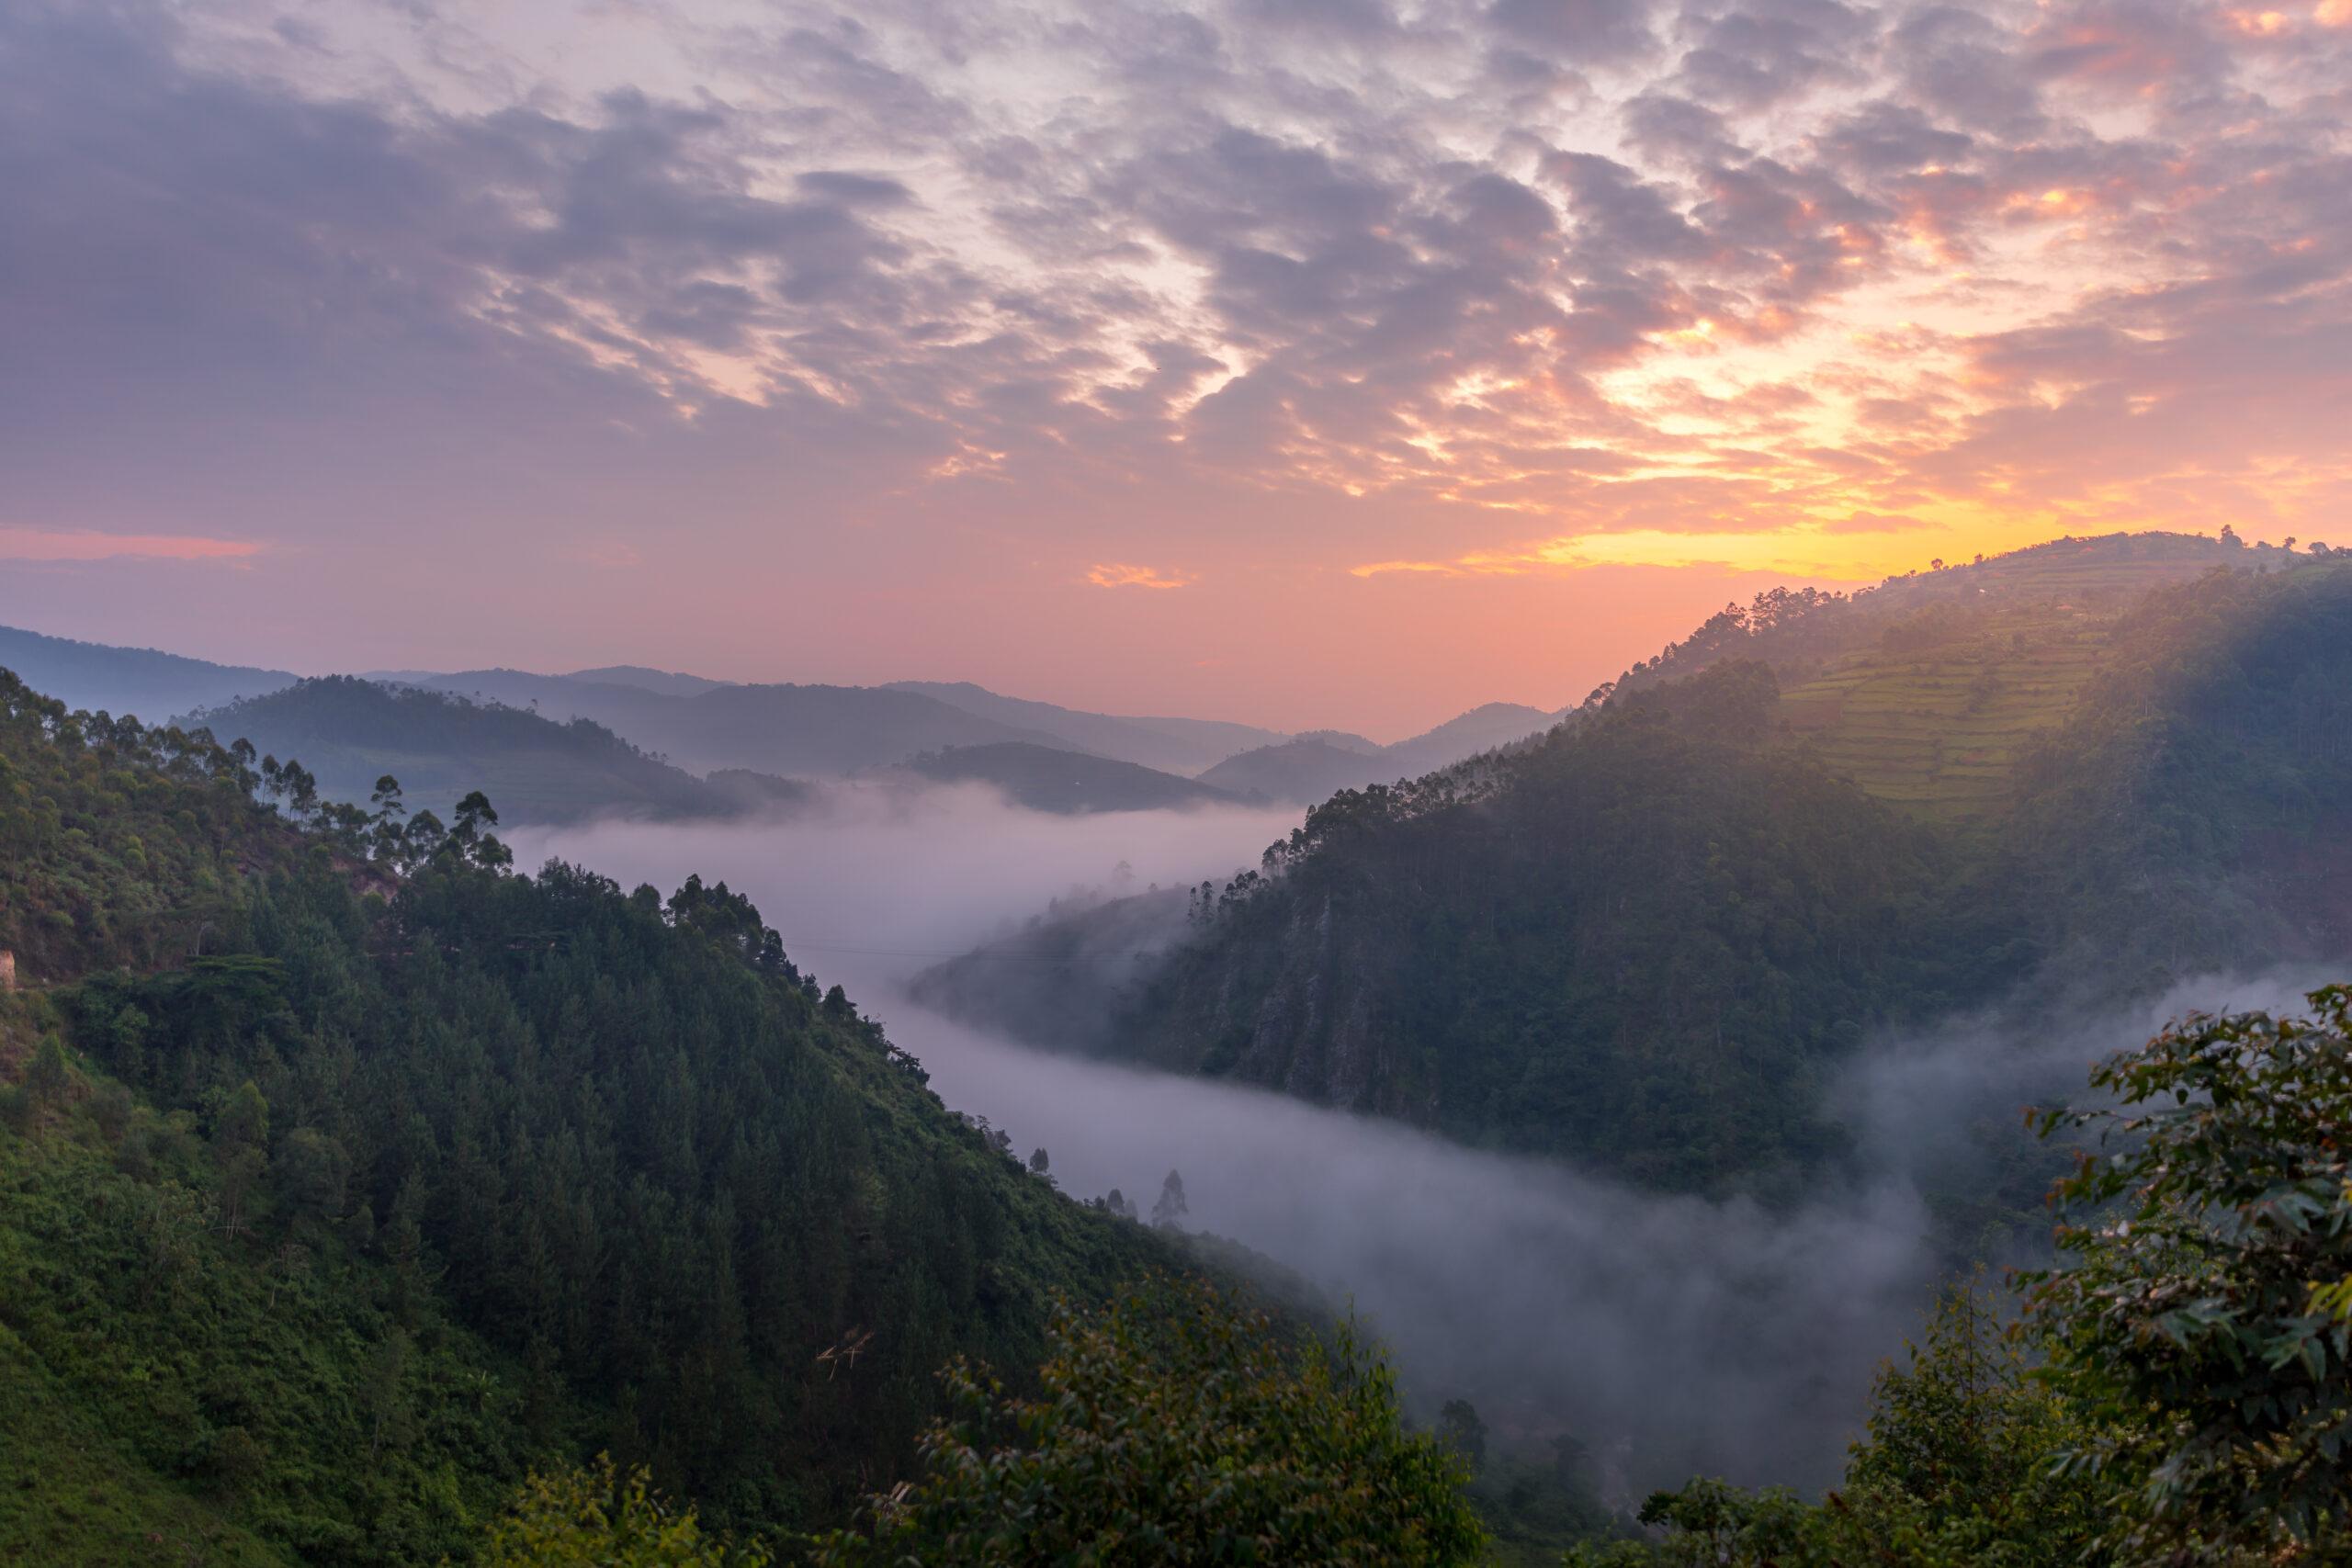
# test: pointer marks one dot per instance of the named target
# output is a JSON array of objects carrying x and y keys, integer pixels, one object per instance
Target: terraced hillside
[
  {"x": 1927, "y": 691},
  {"x": 1941, "y": 731}
]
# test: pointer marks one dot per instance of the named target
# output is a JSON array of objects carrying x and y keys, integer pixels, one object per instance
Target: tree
[
  {"x": 239, "y": 1150},
  {"x": 1175, "y": 1426},
  {"x": 48, "y": 1078},
  {"x": 1459, "y": 1428},
  {"x": 385, "y": 828},
  {"x": 2209, "y": 1242},
  {"x": 1958, "y": 1468},
  {"x": 598, "y": 1519},
  {"x": 1040, "y": 1163},
  {"x": 2230, "y": 538},
  {"x": 1169, "y": 1212}
]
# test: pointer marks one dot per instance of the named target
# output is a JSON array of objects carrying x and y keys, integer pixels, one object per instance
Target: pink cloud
[
  {"x": 1118, "y": 574},
  {"x": 85, "y": 545}
]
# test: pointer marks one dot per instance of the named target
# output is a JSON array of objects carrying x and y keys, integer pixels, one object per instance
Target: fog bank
[{"x": 1672, "y": 1334}]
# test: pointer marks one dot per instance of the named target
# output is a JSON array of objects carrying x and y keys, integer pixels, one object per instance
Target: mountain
[
  {"x": 1069, "y": 783},
  {"x": 668, "y": 684},
  {"x": 804, "y": 730},
  {"x": 1297, "y": 771},
  {"x": 1314, "y": 766},
  {"x": 128, "y": 680},
  {"x": 1480, "y": 729},
  {"x": 348, "y": 733},
  {"x": 334, "y": 1199},
  {"x": 1171, "y": 745},
  {"x": 1646, "y": 940}
]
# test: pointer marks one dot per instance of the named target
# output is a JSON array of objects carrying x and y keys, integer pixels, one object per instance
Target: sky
[{"x": 1300, "y": 362}]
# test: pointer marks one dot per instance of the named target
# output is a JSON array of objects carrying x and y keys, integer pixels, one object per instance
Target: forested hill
[
  {"x": 1045, "y": 778},
  {"x": 311, "y": 1244},
  {"x": 1649, "y": 941},
  {"x": 348, "y": 733}
]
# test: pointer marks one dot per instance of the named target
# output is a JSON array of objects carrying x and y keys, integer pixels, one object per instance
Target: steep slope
[
  {"x": 350, "y": 732},
  {"x": 139, "y": 681},
  {"x": 1067, "y": 783},
  {"x": 1645, "y": 939},
  {"x": 309, "y": 1246},
  {"x": 1171, "y": 745}
]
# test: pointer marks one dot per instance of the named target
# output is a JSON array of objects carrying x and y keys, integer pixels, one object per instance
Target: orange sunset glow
[{"x": 1339, "y": 362}]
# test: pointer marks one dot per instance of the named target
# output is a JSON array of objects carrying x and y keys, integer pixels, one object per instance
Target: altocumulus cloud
[{"x": 1437, "y": 281}]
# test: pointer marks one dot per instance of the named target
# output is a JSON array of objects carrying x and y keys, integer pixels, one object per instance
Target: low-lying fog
[{"x": 1671, "y": 1334}]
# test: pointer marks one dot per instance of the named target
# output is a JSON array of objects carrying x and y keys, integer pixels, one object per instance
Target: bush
[{"x": 1176, "y": 1427}]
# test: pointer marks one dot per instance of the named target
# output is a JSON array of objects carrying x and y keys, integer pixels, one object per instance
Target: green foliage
[
  {"x": 1961, "y": 1468},
  {"x": 1644, "y": 941},
  {"x": 599, "y": 1518},
  {"x": 1175, "y": 1426},
  {"x": 118, "y": 843},
  {"x": 377, "y": 1201},
  {"x": 2207, "y": 1243},
  {"x": 173, "y": 1387}
]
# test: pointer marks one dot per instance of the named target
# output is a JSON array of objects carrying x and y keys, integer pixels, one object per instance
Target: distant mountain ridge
[
  {"x": 1045, "y": 778},
  {"x": 1314, "y": 766},
  {"x": 703, "y": 725},
  {"x": 1171, "y": 745},
  {"x": 143, "y": 682}
]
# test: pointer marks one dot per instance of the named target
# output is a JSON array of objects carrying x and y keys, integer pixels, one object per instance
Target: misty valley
[{"x": 1862, "y": 1086}]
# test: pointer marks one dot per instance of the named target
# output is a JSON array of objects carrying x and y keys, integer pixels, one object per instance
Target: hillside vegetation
[
  {"x": 310, "y": 1245},
  {"x": 1649, "y": 940}
]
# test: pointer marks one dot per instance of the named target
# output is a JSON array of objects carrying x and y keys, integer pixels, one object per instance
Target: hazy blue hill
[
  {"x": 138, "y": 680},
  {"x": 668, "y": 682},
  {"x": 792, "y": 729},
  {"x": 1480, "y": 729},
  {"x": 1171, "y": 745},
  {"x": 350, "y": 732},
  {"x": 822, "y": 729},
  {"x": 1070, "y": 782},
  {"x": 1315, "y": 765},
  {"x": 1297, "y": 771}
]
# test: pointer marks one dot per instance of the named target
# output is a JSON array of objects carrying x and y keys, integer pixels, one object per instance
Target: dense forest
[
  {"x": 346, "y": 1180},
  {"x": 1646, "y": 940}
]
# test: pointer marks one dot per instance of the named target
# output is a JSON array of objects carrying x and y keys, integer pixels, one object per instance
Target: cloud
[
  {"x": 871, "y": 297},
  {"x": 1119, "y": 574},
  {"x": 83, "y": 545}
]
